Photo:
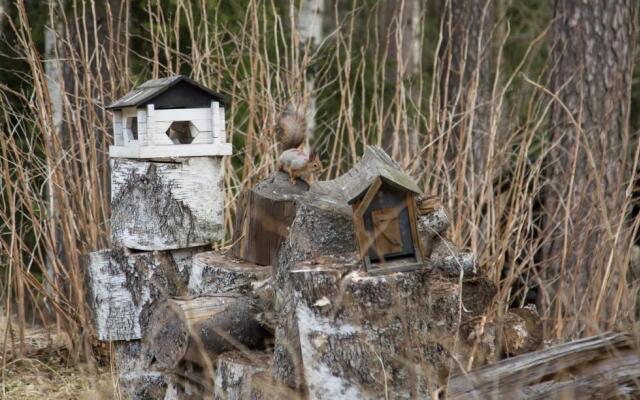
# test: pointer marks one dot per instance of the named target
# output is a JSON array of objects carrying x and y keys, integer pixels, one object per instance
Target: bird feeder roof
[
  {"x": 375, "y": 163},
  {"x": 176, "y": 91}
]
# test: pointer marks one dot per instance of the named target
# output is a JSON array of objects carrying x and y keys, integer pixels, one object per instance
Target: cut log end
[
  {"x": 197, "y": 330},
  {"x": 521, "y": 331},
  {"x": 169, "y": 338}
]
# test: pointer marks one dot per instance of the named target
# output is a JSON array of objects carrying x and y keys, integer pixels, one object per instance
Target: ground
[{"x": 47, "y": 371}]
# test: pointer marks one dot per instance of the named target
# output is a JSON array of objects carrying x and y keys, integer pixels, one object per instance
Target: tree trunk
[
  {"x": 55, "y": 77},
  {"x": 588, "y": 163},
  {"x": 309, "y": 26},
  {"x": 401, "y": 36},
  {"x": 465, "y": 80}
]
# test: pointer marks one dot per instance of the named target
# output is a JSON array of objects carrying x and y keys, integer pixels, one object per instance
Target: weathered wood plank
[
  {"x": 617, "y": 377},
  {"x": 512, "y": 378},
  {"x": 158, "y": 205},
  {"x": 265, "y": 213}
]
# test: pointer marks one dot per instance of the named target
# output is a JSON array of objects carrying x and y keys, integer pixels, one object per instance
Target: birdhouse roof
[
  {"x": 375, "y": 163},
  {"x": 176, "y": 91}
]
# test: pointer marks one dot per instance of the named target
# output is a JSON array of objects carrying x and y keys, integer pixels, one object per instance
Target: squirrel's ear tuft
[{"x": 313, "y": 154}]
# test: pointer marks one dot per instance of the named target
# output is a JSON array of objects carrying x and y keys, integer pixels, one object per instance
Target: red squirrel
[{"x": 293, "y": 159}]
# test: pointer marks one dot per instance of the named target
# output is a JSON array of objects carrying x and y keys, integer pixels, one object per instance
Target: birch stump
[
  {"x": 319, "y": 229},
  {"x": 372, "y": 337},
  {"x": 162, "y": 205}
]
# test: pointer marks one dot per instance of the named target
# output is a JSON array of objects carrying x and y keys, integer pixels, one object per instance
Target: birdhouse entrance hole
[
  {"x": 182, "y": 132},
  {"x": 131, "y": 128}
]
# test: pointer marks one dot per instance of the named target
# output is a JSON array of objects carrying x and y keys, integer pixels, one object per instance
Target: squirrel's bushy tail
[{"x": 292, "y": 127}]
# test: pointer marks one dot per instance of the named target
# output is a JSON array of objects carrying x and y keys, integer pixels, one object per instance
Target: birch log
[
  {"x": 521, "y": 331},
  {"x": 142, "y": 385},
  {"x": 449, "y": 259},
  {"x": 198, "y": 329},
  {"x": 432, "y": 226},
  {"x": 184, "y": 258},
  {"x": 128, "y": 356},
  {"x": 243, "y": 376},
  {"x": 162, "y": 205},
  {"x": 123, "y": 288},
  {"x": 219, "y": 273},
  {"x": 316, "y": 231}
]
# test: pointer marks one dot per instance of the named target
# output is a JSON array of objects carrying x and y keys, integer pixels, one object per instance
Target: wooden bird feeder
[
  {"x": 169, "y": 117},
  {"x": 384, "y": 214}
]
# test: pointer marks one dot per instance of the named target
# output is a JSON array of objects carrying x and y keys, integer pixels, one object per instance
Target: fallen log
[
  {"x": 603, "y": 366},
  {"x": 196, "y": 330}
]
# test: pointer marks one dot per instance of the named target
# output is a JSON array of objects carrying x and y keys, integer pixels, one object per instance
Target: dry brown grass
[
  {"x": 54, "y": 378},
  {"x": 46, "y": 371}
]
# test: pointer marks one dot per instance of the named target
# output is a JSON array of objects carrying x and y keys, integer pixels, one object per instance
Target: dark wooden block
[{"x": 265, "y": 214}]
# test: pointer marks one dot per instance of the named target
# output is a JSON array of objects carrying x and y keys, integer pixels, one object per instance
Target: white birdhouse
[{"x": 169, "y": 117}]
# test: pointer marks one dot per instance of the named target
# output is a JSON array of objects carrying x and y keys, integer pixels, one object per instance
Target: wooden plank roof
[
  {"x": 374, "y": 163},
  {"x": 153, "y": 88}
]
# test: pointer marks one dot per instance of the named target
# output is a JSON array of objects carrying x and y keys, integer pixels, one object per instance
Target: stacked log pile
[
  {"x": 163, "y": 212},
  {"x": 290, "y": 312},
  {"x": 365, "y": 335}
]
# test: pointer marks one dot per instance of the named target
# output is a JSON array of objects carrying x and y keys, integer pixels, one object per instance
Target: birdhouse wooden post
[
  {"x": 166, "y": 166},
  {"x": 384, "y": 214}
]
